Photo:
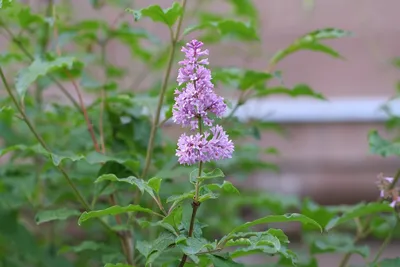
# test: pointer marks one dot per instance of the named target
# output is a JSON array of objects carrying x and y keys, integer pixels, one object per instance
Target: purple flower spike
[
  {"x": 197, "y": 148},
  {"x": 197, "y": 98}
]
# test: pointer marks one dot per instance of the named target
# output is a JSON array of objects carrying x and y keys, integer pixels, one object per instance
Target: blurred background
[{"x": 323, "y": 152}]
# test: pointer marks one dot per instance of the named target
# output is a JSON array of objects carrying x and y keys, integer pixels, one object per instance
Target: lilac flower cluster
[
  {"x": 193, "y": 104},
  {"x": 384, "y": 184}
]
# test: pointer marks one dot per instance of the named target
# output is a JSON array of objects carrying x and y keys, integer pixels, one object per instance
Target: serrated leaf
[
  {"x": 114, "y": 210},
  {"x": 383, "y": 147},
  {"x": 359, "y": 211},
  {"x": 310, "y": 41},
  {"x": 167, "y": 16},
  {"x": 37, "y": 69},
  {"x": 293, "y": 217},
  {"x": 52, "y": 215}
]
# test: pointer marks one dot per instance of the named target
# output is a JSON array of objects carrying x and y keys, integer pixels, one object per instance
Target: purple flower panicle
[
  {"x": 203, "y": 147},
  {"x": 197, "y": 98},
  {"x": 193, "y": 104}
]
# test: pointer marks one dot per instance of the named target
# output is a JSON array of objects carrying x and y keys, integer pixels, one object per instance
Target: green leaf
[
  {"x": 320, "y": 214},
  {"x": 296, "y": 91},
  {"x": 155, "y": 184},
  {"x": 179, "y": 198},
  {"x": 244, "y": 8},
  {"x": 140, "y": 183},
  {"x": 52, "y": 215},
  {"x": 293, "y": 217},
  {"x": 226, "y": 186},
  {"x": 251, "y": 78},
  {"x": 223, "y": 262},
  {"x": 5, "y": 4},
  {"x": 167, "y": 16},
  {"x": 118, "y": 265},
  {"x": 337, "y": 243},
  {"x": 387, "y": 263},
  {"x": 383, "y": 147},
  {"x": 37, "y": 69},
  {"x": 85, "y": 245},
  {"x": 217, "y": 173},
  {"x": 114, "y": 210},
  {"x": 56, "y": 159},
  {"x": 157, "y": 247},
  {"x": 359, "y": 210},
  {"x": 231, "y": 29},
  {"x": 310, "y": 41},
  {"x": 173, "y": 220}
]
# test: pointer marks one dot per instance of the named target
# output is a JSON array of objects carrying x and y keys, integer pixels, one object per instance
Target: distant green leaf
[
  {"x": 387, "y": 263},
  {"x": 251, "y": 78},
  {"x": 52, "y": 215},
  {"x": 85, "y": 245},
  {"x": 5, "y": 4},
  {"x": 228, "y": 28},
  {"x": 359, "y": 210},
  {"x": 37, "y": 69},
  {"x": 383, "y": 147},
  {"x": 245, "y": 8},
  {"x": 157, "y": 14},
  {"x": 114, "y": 210},
  {"x": 296, "y": 91},
  {"x": 10, "y": 57},
  {"x": 56, "y": 159},
  {"x": 293, "y": 217},
  {"x": 310, "y": 41}
]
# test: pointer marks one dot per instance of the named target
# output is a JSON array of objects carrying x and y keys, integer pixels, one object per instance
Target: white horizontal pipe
[{"x": 317, "y": 111}]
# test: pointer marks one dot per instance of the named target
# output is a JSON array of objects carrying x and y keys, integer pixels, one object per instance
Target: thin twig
[{"x": 154, "y": 126}]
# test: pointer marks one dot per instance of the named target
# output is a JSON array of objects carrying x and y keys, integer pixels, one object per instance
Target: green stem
[
  {"x": 156, "y": 121},
  {"x": 45, "y": 146},
  {"x": 195, "y": 203}
]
